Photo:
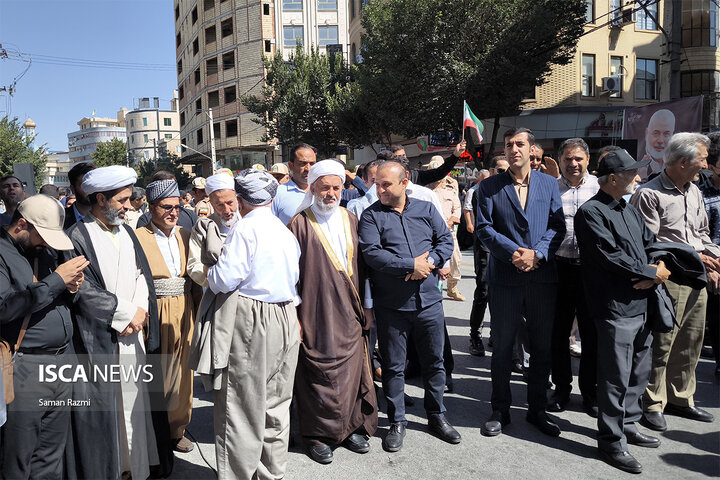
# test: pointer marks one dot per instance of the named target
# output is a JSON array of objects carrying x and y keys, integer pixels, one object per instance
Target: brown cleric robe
[
  {"x": 177, "y": 318},
  {"x": 334, "y": 387}
]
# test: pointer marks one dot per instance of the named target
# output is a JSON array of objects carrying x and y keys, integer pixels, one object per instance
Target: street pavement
[{"x": 689, "y": 450}]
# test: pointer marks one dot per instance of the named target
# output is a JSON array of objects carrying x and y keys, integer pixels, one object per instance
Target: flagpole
[{"x": 462, "y": 122}]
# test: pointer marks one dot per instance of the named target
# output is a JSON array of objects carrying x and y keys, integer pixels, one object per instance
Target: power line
[{"x": 87, "y": 63}]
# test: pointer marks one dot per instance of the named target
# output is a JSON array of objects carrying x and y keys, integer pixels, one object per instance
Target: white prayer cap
[
  {"x": 219, "y": 181},
  {"x": 108, "y": 178},
  {"x": 322, "y": 168}
]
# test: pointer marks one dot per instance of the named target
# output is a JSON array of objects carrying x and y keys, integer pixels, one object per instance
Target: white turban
[
  {"x": 219, "y": 181},
  {"x": 322, "y": 168},
  {"x": 104, "y": 179}
]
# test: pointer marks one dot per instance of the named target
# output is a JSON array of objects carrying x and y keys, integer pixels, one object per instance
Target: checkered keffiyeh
[
  {"x": 160, "y": 189},
  {"x": 256, "y": 187}
]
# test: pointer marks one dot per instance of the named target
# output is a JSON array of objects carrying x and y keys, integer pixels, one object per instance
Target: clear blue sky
[{"x": 56, "y": 92}]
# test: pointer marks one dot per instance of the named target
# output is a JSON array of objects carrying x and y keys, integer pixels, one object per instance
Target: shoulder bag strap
[{"x": 26, "y": 321}]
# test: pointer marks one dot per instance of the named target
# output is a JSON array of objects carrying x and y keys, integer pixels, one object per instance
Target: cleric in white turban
[{"x": 105, "y": 179}]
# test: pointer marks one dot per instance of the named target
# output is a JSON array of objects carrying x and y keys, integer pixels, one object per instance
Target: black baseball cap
[{"x": 618, "y": 161}]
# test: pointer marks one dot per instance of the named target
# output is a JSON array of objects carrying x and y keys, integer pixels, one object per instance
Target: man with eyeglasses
[{"x": 166, "y": 246}]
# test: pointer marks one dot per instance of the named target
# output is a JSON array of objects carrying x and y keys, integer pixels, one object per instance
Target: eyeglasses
[{"x": 169, "y": 208}]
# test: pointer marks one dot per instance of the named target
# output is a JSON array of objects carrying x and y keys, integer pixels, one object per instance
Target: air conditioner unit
[
  {"x": 611, "y": 84},
  {"x": 622, "y": 17}
]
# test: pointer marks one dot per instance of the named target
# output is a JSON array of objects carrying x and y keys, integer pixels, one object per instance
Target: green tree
[
  {"x": 422, "y": 58},
  {"x": 113, "y": 152},
  {"x": 170, "y": 162},
  {"x": 297, "y": 100},
  {"x": 16, "y": 148}
]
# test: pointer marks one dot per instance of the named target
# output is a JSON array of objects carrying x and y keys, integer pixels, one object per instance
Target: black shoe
[
  {"x": 558, "y": 402},
  {"x": 476, "y": 347},
  {"x": 409, "y": 402},
  {"x": 439, "y": 425},
  {"x": 321, "y": 453},
  {"x": 357, "y": 443},
  {"x": 692, "y": 413},
  {"x": 544, "y": 423},
  {"x": 449, "y": 388},
  {"x": 622, "y": 460},
  {"x": 590, "y": 407},
  {"x": 494, "y": 425},
  {"x": 394, "y": 439},
  {"x": 654, "y": 421},
  {"x": 642, "y": 440}
]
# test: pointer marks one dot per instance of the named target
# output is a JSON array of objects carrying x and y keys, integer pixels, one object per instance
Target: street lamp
[{"x": 209, "y": 113}]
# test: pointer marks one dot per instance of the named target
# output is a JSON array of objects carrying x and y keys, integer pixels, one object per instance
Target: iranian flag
[{"x": 472, "y": 125}]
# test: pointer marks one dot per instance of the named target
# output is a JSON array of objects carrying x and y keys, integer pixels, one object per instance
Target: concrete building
[
  {"x": 148, "y": 125},
  {"x": 95, "y": 130},
  {"x": 58, "y": 166},
  {"x": 220, "y": 45}
]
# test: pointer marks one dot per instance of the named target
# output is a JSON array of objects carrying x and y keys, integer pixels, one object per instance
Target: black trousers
[
  {"x": 571, "y": 303},
  {"x": 32, "y": 441},
  {"x": 480, "y": 299},
  {"x": 623, "y": 374},
  {"x": 394, "y": 328},
  {"x": 508, "y": 305}
]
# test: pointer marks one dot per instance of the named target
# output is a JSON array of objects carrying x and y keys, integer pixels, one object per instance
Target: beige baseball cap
[
  {"x": 47, "y": 215},
  {"x": 280, "y": 169},
  {"x": 258, "y": 166},
  {"x": 199, "y": 183}
]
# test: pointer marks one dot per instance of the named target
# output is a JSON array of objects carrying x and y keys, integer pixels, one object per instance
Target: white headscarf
[
  {"x": 104, "y": 179},
  {"x": 321, "y": 169}
]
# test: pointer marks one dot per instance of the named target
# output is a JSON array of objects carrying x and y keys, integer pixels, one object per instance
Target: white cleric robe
[{"x": 123, "y": 278}]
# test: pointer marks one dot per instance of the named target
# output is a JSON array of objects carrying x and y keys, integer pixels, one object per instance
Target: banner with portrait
[{"x": 653, "y": 125}]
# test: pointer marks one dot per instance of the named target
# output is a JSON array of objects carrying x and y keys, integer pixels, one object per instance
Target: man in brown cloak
[{"x": 334, "y": 391}]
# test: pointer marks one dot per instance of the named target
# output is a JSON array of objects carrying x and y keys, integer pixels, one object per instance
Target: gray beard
[
  {"x": 323, "y": 207},
  {"x": 112, "y": 216},
  {"x": 231, "y": 222}
]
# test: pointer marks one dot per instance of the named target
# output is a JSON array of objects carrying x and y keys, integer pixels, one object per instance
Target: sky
[{"x": 68, "y": 40}]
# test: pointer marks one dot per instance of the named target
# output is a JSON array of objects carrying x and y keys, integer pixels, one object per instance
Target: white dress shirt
[
  {"x": 260, "y": 259},
  {"x": 170, "y": 250}
]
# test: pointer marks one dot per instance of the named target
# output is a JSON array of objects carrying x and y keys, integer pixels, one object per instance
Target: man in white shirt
[
  {"x": 252, "y": 407},
  {"x": 291, "y": 194}
]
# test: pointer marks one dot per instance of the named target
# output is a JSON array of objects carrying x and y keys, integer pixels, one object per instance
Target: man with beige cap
[
  {"x": 281, "y": 173},
  {"x": 35, "y": 319},
  {"x": 200, "y": 200}
]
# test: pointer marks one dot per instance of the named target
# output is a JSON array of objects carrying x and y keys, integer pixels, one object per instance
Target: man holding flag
[{"x": 472, "y": 132}]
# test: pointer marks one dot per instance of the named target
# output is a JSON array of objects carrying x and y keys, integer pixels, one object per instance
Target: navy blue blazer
[{"x": 503, "y": 226}]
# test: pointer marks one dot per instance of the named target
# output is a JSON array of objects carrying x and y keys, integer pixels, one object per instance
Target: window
[
  {"x": 228, "y": 60},
  {"x": 147, "y": 155},
  {"x": 132, "y": 138},
  {"x": 178, "y": 40},
  {"x": 212, "y": 66},
  {"x": 208, "y": 4},
  {"x": 327, "y": 5},
  {"x": 588, "y": 75},
  {"x": 226, "y": 27},
  {"x": 230, "y": 94},
  {"x": 196, "y": 46},
  {"x": 616, "y": 67},
  {"x": 292, "y": 35},
  {"x": 210, "y": 35},
  {"x": 646, "y": 79},
  {"x": 194, "y": 15},
  {"x": 292, "y": 4},
  {"x": 231, "y": 128},
  {"x": 198, "y": 104},
  {"x": 199, "y": 136},
  {"x": 144, "y": 121},
  {"x": 214, "y": 99},
  {"x": 352, "y": 9},
  {"x": 327, "y": 35},
  {"x": 167, "y": 122},
  {"x": 145, "y": 138},
  {"x": 644, "y": 18},
  {"x": 353, "y": 51},
  {"x": 132, "y": 123},
  {"x": 266, "y": 9},
  {"x": 181, "y": 92},
  {"x": 179, "y": 67},
  {"x": 182, "y": 118},
  {"x": 216, "y": 130},
  {"x": 177, "y": 12},
  {"x": 168, "y": 136},
  {"x": 183, "y": 142},
  {"x": 197, "y": 76},
  {"x": 268, "y": 46},
  {"x": 700, "y": 23},
  {"x": 700, "y": 83},
  {"x": 590, "y": 11}
]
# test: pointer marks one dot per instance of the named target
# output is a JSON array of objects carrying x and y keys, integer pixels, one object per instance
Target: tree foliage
[
  {"x": 300, "y": 101},
  {"x": 16, "y": 148},
  {"x": 422, "y": 58},
  {"x": 170, "y": 162},
  {"x": 113, "y": 152}
]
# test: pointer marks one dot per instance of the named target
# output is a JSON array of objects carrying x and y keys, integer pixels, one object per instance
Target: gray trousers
[
  {"x": 623, "y": 371},
  {"x": 252, "y": 408}
]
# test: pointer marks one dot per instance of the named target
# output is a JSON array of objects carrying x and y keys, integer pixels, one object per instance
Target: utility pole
[
  {"x": 212, "y": 140},
  {"x": 675, "y": 42},
  {"x": 155, "y": 151}
]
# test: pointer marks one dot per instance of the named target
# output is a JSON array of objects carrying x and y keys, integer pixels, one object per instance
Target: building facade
[
  {"x": 94, "y": 130},
  {"x": 148, "y": 125},
  {"x": 321, "y": 23},
  {"x": 58, "y": 165}
]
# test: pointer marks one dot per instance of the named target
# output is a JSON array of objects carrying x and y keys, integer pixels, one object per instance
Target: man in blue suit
[{"x": 520, "y": 221}]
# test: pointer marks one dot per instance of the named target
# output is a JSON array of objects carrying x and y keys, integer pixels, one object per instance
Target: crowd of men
[{"x": 276, "y": 286}]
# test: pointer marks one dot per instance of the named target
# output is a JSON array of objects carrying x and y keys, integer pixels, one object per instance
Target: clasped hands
[
  {"x": 525, "y": 259},
  {"x": 661, "y": 276},
  {"x": 712, "y": 269}
]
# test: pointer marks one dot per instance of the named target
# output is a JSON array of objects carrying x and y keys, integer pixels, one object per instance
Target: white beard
[{"x": 324, "y": 207}]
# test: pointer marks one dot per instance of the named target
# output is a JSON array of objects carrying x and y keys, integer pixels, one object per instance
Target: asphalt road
[{"x": 689, "y": 450}]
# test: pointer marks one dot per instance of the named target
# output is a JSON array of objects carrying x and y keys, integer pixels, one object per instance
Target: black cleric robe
[
  {"x": 334, "y": 388},
  {"x": 93, "y": 451}
]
